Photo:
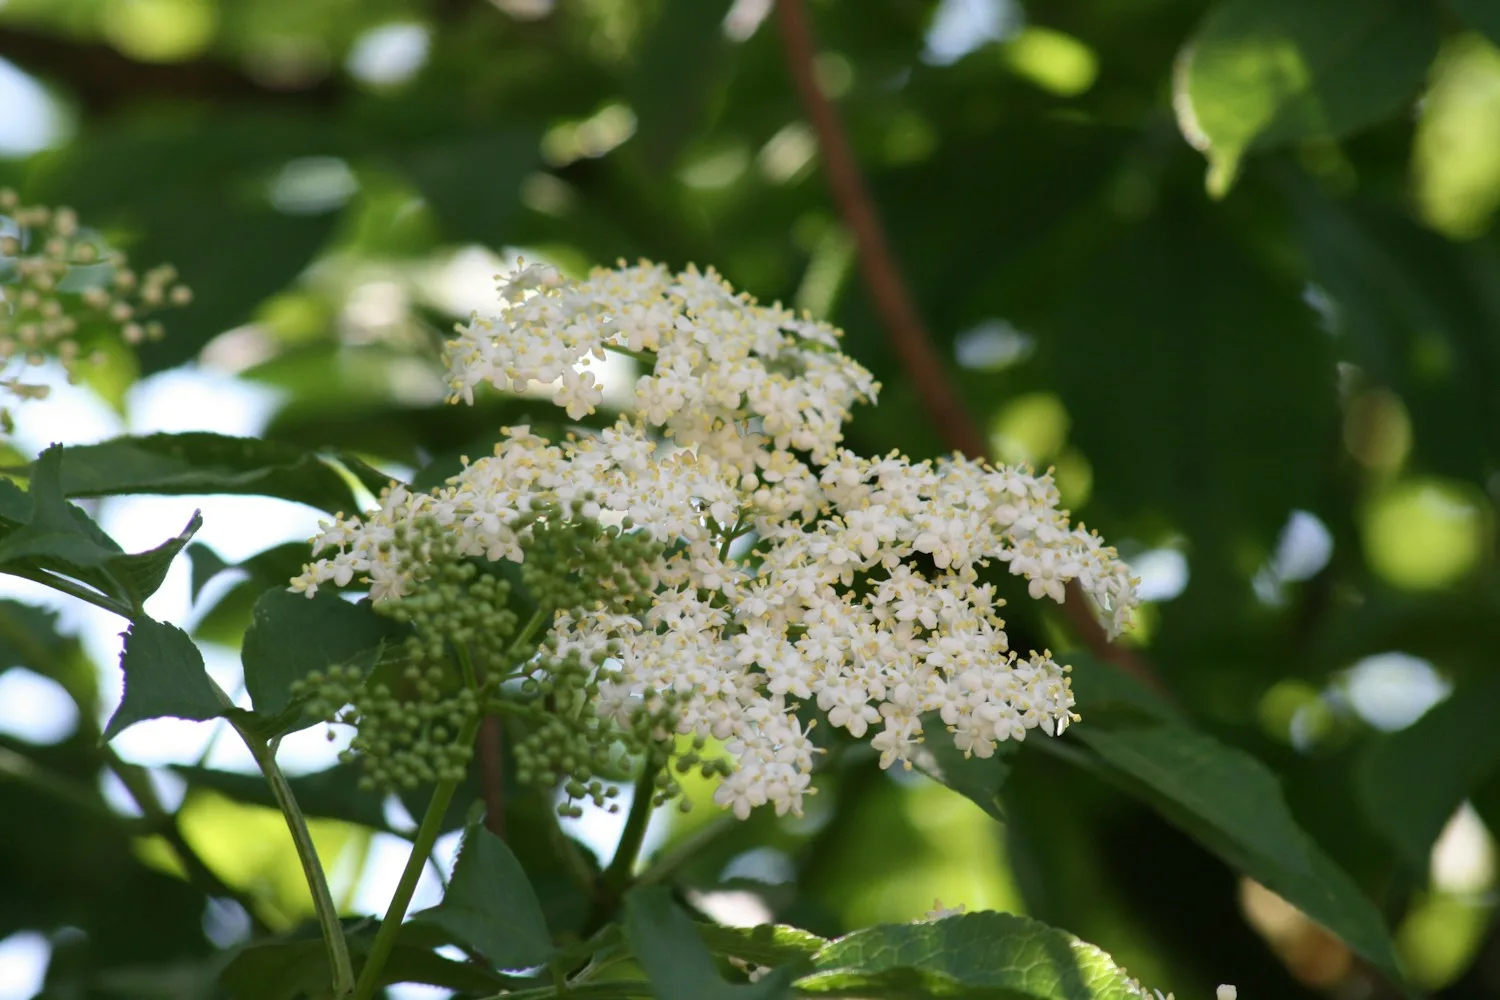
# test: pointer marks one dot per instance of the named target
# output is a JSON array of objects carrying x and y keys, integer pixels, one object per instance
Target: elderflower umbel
[
  {"x": 60, "y": 289},
  {"x": 793, "y": 571}
]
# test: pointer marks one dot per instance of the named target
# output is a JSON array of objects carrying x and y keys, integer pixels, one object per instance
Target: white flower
[{"x": 861, "y": 592}]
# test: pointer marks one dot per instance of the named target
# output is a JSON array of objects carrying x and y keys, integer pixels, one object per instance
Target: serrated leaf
[
  {"x": 55, "y": 531},
  {"x": 142, "y": 573},
  {"x": 767, "y": 944},
  {"x": 978, "y": 779},
  {"x": 164, "y": 676},
  {"x": 491, "y": 906},
  {"x": 666, "y": 943},
  {"x": 1261, "y": 73},
  {"x": 1411, "y": 782},
  {"x": 993, "y": 955},
  {"x": 1250, "y": 827},
  {"x": 201, "y": 462},
  {"x": 291, "y": 635}
]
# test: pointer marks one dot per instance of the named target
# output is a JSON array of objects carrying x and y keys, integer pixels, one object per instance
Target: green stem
[
  {"x": 63, "y": 585},
  {"x": 668, "y": 864},
  {"x": 307, "y": 853},
  {"x": 427, "y": 835},
  {"x": 644, "y": 357},
  {"x": 616, "y": 878}
]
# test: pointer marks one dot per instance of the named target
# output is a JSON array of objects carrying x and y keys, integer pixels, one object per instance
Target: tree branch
[
  {"x": 893, "y": 301},
  {"x": 103, "y": 80}
]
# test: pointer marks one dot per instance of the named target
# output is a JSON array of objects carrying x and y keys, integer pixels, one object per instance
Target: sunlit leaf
[
  {"x": 1261, "y": 73},
  {"x": 971, "y": 955}
]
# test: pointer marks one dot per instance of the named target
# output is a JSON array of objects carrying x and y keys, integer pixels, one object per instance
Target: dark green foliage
[
  {"x": 1203, "y": 364},
  {"x": 213, "y": 463},
  {"x": 491, "y": 907},
  {"x": 164, "y": 676}
]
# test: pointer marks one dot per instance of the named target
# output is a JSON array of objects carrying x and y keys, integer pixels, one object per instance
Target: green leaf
[
  {"x": 473, "y": 182},
  {"x": 201, "y": 462},
  {"x": 142, "y": 573},
  {"x": 28, "y": 637},
  {"x": 291, "y": 969},
  {"x": 996, "y": 955},
  {"x": 666, "y": 943},
  {"x": 977, "y": 779},
  {"x": 206, "y": 564},
  {"x": 1224, "y": 787},
  {"x": 680, "y": 58},
  {"x": 1231, "y": 803},
  {"x": 1482, "y": 15},
  {"x": 768, "y": 944},
  {"x": 491, "y": 906},
  {"x": 1411, "y": 782},
  {"x": 1100, "y": 686},
  {"x": 164, "y": 676},
  {"x": 1262, "y": 73},
  {"x": 291, "y": 635},
  {"x": 14, "y": 505},
  {"x": 54, "y": 531}
]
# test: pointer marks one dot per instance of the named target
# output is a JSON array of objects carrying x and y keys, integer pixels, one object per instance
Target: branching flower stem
[
  {"x": 427, "y": 835},
  {"x": 307, "y": 852},
  {"x": 615, "y": 879}
]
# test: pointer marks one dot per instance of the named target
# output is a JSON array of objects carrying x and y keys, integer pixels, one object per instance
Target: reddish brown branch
[
  {"x": 492, "y": 775},
  {"x": 893, "y": 301},
  {"x": 878, "y": 267}
]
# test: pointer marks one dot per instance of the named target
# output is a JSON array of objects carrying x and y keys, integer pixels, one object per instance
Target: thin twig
[
  {"x": 893, "y": 301},
  {"x": 492, "y": 774},
  {"x": 877, "y": 265}
]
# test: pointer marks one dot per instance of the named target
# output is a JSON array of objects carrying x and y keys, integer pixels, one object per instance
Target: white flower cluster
[
  {"x": 56, "y": 280},
  {"x": 796, "y": 572}
]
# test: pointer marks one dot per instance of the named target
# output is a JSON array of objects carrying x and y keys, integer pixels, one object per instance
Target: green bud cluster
[
  {"x": 404, "y": 741},
  {"x": 465, "y": 645},
  {"x": 575, "y": 563}
]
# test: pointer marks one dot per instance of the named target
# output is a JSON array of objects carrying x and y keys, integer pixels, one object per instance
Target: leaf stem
[
  {"x": 63, "y": 585},
  {"x": 427, "y": 835},
  {"x": 307, "y": 852}
]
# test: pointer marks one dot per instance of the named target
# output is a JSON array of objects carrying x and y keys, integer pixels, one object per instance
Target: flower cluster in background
[
  {"x": 62, "y": 290},
  {"x": 794, "y": 573}
]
